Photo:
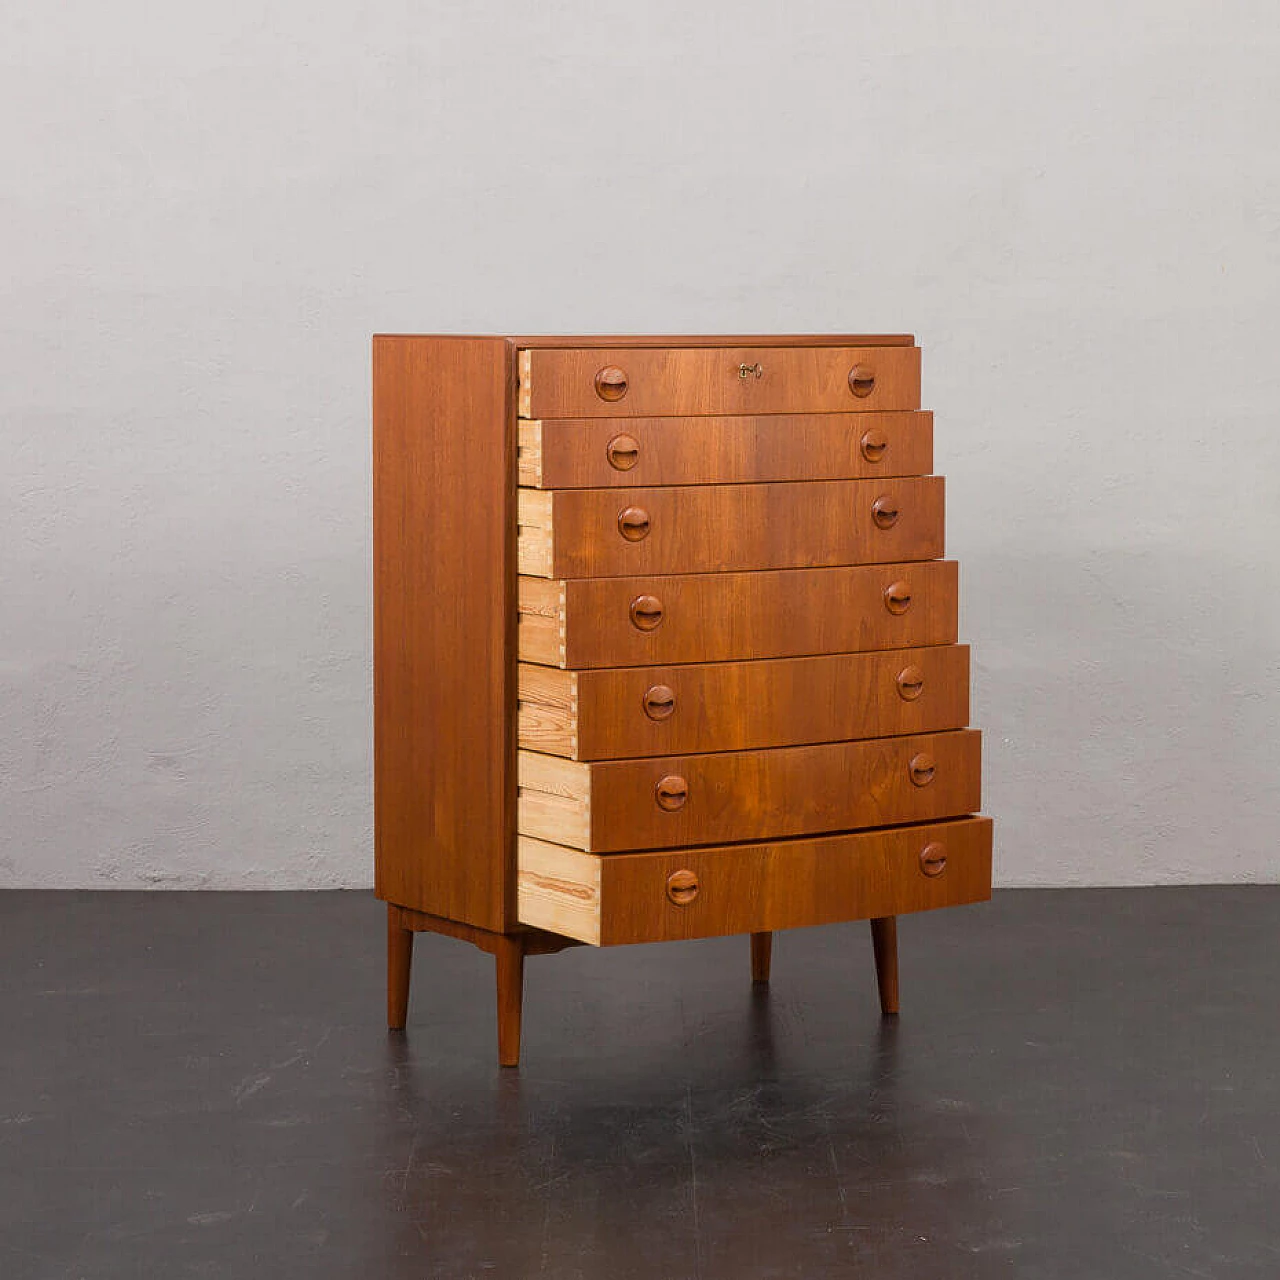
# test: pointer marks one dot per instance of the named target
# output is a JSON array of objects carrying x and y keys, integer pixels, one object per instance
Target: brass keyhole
[{"x": 751, "y": 370}]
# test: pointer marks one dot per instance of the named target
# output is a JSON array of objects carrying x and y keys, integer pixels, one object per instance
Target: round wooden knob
[
  {"x": 671, "y": 792},
  {"x": 921, "y": 769},
  {"x": 682, "y": 887},
  {"x": 933, "y": 859},
  {"x": 874, "y": 444},
  {"x": 611, "y": 383},
  {"x": 633, "y": 523},
  {"x": 897, "y": 597},
  {"x": 659, "y": 702},
  {"x": 884, "y": 511},
  {"x": 646, "y": 613},
  {"x": 862, "y": 380},
  {"x": 910, "y": 683},
  {"x": 623, "y": 452}
]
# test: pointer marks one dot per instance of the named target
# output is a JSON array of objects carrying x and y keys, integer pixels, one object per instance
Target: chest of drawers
[{"x": 664, "y": 647}]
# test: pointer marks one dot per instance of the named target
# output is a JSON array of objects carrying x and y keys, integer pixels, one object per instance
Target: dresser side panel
[{"x": 444, "y": 583}]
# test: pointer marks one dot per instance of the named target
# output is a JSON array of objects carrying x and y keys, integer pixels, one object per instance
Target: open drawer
[{"x": 784, "y": 884}]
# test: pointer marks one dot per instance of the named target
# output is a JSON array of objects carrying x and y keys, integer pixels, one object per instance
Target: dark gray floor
[{"x": 1082, "y": 1084}]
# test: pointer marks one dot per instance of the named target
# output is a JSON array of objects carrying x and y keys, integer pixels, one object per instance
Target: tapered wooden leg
[
  {"x": 509, "y": 957},
  {"x": 884, "y": 941},
  {"x": 399, "y": 968},
  {"x": 761, "y": 956}
]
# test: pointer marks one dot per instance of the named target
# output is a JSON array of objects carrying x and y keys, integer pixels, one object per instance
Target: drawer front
[
  {"x": 587, "y": 453},
  {"x": 738, "y": 706},
  {"x": 628, "y": 382},
  {"x": 587, "y": 533},
  {"x": 723, "y": 617},
  {"x": 700, "y": 893},
  {"x": 743, "y": 795}
]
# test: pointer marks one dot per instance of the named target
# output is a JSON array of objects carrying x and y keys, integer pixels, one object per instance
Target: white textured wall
[{"x": 208, "y": 209}]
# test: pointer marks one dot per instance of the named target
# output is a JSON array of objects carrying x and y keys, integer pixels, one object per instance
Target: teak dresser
[{"x": 664, "y": 647}]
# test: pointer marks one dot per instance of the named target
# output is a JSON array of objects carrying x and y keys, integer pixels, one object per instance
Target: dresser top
[{"x": 685, "y": 340}]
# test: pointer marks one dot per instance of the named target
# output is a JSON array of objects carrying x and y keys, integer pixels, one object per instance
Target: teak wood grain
[
  {"x": 591, "y": 453},
  {"x": 712, "y": 620},
  {"x": 593, "y": 340},
  {"x": 668, "y": 801},
  {"x": 565, "y": 383},
  {"x": 734, "y": 706},
  {"x": 443, "y": 477},
  {"x": 622, "y": 898},
  {"x": 724, "y": 617},
  {"x": 579, "y": 533}
]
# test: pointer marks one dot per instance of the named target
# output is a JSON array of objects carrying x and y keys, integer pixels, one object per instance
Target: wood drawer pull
[
  {"x": 910, "y": 683},
  {"x": 623, "y": 452},
  {"x": 862, "y": 380},
  {"x": 922, "y": 769},
  {"x": 884, "y": 511},
  {"x": 646, "y": 613},
  {"x": 659, "y": 702},
  {"x": 933, "y": 859},
  {"x": 611, "y": 383},
  {"x": 633, "y": 523},
  {"x": 875, "y": 444},
  {"x": 682, "y": 887},
  {"x": 897, "y": 597},
  {"x": 671, "y": 792}
]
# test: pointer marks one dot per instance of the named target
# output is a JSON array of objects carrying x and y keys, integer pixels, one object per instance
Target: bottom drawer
[{"x": 699, "y": 893}]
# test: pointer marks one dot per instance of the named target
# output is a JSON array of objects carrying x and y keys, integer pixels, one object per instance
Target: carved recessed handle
[
  {"x": 659, "y": 702},
  {"x": 922, "y": 769},
  {"x": 671, "y": 792},
  {"x": 884, "y": 511},
  {"x": 874, "y": 444},
  {"x": 862, "y": 380},
  {"x": 897, "y": 597},
  {"x": 633, "y": 523},
  {"x": 611, "y": 383},
  {"x": 910, "y": 683},
  {"x": 646, "y": 613},
  {"x": 623, "y": 452},
  {"x": 933, "y": 859},
  {"x": 682, "y": 887}
]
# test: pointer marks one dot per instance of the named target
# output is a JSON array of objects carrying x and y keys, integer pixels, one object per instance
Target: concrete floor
[{"x": 1081, "y": 1084}]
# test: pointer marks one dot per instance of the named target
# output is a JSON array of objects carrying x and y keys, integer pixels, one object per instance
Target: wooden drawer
[
  {"x": 700, "y": 893},
  {"x": 590, "y": 533},
  {"x": 742, "y": 795},
  {"x": 595, "y": 453},
  {"x": 723, "y": 617},
  {"x": 634, "y": 382},
  {"x": 736, "y": 706}
]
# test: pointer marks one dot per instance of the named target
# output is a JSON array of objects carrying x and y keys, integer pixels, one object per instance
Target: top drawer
[{"x": 633, "y": 381}]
